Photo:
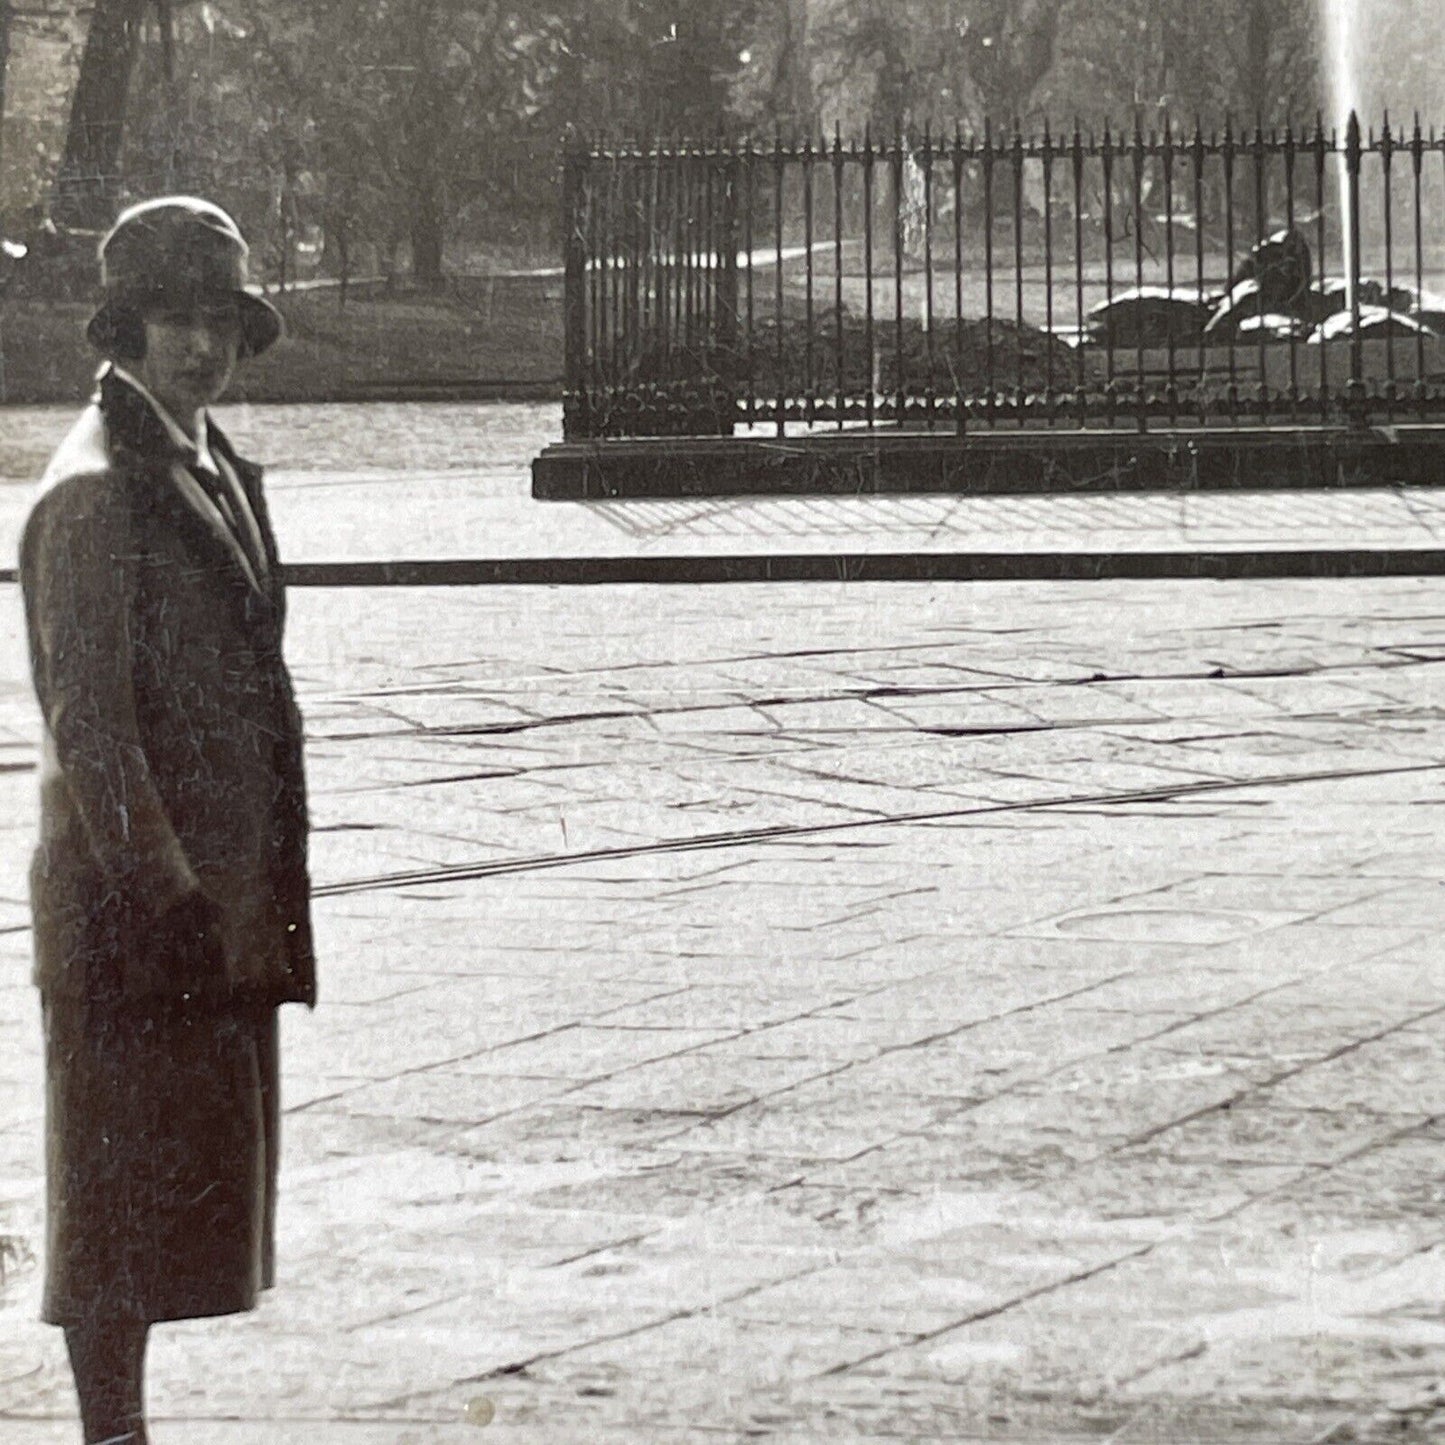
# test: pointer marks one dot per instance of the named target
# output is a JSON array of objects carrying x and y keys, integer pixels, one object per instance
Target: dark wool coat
[{"x": 172, "y": 761}]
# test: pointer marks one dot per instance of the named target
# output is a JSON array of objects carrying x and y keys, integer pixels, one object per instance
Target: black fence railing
[{"x": 1141, "y": 279}]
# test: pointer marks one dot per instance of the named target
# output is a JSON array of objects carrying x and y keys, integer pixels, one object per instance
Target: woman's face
[{"x": 191, "y": 352}]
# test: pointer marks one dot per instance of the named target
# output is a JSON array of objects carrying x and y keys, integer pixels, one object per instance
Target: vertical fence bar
[
  {"x": 601, "y": 259},
  {"x": 661, "y": 265},
  {"x": 647, "y": 262},
  {"x": 691, "y": 247},
  {"x": 1227, "y": 154},
  {"x": 749, "y": 200},
  {"x": 616, "y": 300},
  {"x": 1259, "y": 237},
  {"x": 707, "y": 242},
  {"x": 1171, "y": 382},
  {"x": 706, "y": 285},
  {"x": 1435, "y": 395},
  {"x": 838, "y": 352},
  {"x": 679, "y": 260},
  {"x": 621, "y": 240},
  {"x": 1110, "y": 388},
  {"x": 960, "y": 418},
  {"x": 1387, "y": 155},
  {"x": 1319, "y": 151},
  {"x": 616, "y": 282},
  {"x": 606, "y": 262},
  {"x": 670, "y": 239},
  {"x": 702, "y": 247},
  {"x": 1141, "y": 420},
  {"x": 670, "y": 185},
  {"x": 1047, "y": 159},
  {"x": 596, "y": 311},
  {"x": 701, "y": 242},
  {"x": 727, "y": 298},
  {"x": 637, "y": 250},
  {"x": 1289, "y": 218},
  {"x": 658, "y": 269},
  {"x": 684, "y": 249},
  {"x": 1356, "y": 406},
  {"x": 662, "y": 270},
  {"x": 782, "y": 387},
  {"x": 576, "y": 422},
  {"x": 1417, "y": 159},
  {"x": 628, "y": 248},
  {"x": 1199, "y": 155},
  {"x": 650, "y": 278},
  {"x": 810, "y": 400},
  {"x": 988, "y": 369},
  {"x": 644, "y": 350},
  {"x": 869, "y": 346},
  {"x": 900, "y": 400},
  {"x": 647, "y": 245},
  {"x": 1017, "y": 162},
  {"x": 928, "y": 395},
  {"x": 1077, "y": 159}
]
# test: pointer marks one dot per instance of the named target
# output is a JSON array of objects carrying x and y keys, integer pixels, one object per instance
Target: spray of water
[{"x": 1341, "y": 23}]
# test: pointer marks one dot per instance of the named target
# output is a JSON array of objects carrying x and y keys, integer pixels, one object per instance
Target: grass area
[{"x": 474, "y": 338}]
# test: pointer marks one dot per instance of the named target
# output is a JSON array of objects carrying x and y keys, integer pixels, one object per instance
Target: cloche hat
[{"x": 177, "y": 250}]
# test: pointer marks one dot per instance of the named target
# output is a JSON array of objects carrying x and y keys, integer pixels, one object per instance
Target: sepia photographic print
[{"x": 718, "y": 722}]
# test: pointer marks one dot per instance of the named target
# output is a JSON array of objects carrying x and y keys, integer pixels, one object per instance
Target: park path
[{"x": 808, "y": 1012}]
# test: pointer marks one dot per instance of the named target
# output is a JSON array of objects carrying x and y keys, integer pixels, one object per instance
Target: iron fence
[{"x": 1140, "y": 279}]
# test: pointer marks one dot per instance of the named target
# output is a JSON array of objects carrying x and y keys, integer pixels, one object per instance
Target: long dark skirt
[{"x": 161, "y": 1152}]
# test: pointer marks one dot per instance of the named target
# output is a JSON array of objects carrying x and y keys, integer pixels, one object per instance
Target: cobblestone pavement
[{"x": 807, "y": 1012}]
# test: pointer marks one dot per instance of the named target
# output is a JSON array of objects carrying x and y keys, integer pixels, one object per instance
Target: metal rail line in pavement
[{"x": 1208, "y": 564}]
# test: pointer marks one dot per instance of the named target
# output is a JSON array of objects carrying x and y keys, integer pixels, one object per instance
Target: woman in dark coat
[{"x": 169, "y": 888}]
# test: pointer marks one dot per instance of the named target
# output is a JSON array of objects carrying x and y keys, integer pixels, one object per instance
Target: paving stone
[{"x": 913, "y": 1128}]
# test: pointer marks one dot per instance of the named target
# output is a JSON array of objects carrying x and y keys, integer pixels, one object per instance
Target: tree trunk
[
  {"x": 1258, "y": 70},
  {"x": 88, "y": 185},
  {"x": 343, "y": 254},
  {"x": 421, "y": 129},
  {"x": 1010, "y": 54},
  {"x": 5, "y": 13},
  {"x": 426, "y": 240},
  {"x": 393, "y": 248},
  {"x": 336, "y": 246},
  {"x": 792, "y": 82}
]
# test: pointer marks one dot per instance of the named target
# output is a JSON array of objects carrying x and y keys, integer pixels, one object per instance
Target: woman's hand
[{"x": 187, "y": 944}]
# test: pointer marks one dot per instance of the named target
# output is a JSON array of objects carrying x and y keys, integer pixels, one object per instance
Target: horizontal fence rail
[{"x": 1141, "y": 279}]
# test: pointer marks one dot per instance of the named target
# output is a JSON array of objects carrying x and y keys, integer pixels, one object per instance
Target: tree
[
  {"x": 470, "y": 77},
  {"x": 90, "y": 169},
  {"x": 648, "y": 68},
  {"x": 789, "y": 98},
  {"x": 1243, "y": 58},
  {"x": 945, "y": 60},
  {"x": 89, "y": 179},
  {"x": 1008, "y": 48},
  {"x": 383, "y": 122},
  {"x": 871, "y": 54}
]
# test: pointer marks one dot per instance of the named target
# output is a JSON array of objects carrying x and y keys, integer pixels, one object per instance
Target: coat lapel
[
  {"x": 248, "y": 474},
  {"x": 133, "y": 427},
  {"x": 84, "y": 450},
  {"x": 195, "y": 497}
]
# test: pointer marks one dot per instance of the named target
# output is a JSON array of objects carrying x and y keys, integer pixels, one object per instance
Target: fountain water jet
[{"x": 1342, "y": 72}]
